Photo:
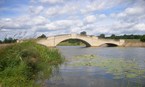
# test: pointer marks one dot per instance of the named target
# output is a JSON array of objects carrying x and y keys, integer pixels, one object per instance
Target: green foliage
[
  {"x": 8, "y": 40},
  {"x": 0, "y": 41},
  {"x": 84, "y": 33},
  {"x": 21, "y": 64},
  {"x": 42, "y": 36},
  {"x": 142, "y": 38},
  {"x": 113, "y": 36},
  {"x": 102, "y": 36}
]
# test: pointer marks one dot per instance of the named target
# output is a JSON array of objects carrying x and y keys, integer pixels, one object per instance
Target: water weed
[{"x": 119, "y": 67}]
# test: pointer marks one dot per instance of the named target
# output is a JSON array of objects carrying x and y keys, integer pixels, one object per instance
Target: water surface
[{"x": 68, "y": 75}]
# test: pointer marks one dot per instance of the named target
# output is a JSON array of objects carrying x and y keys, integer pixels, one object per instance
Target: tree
[
  {"x": 102, "y": 36},
  {"x": 1, "y": 42},
  {"x": 9, "y": 40},
  {"x": 113, "y": 36},
  {"x": 142, "y": 38},
  {"x": 42, "y": 36},
  {"x": 83, "y": 33}
]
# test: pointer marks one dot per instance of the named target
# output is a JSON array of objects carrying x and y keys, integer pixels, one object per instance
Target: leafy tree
[
  {"x": 102, "y": 36},
  {"x": 113, "y": 36},
  {"x": 42, "y": 36},
  {"x": 142, "y": 38},
  {"x": 84, "y": 33},
  {"x": 1, "y": 42},
  {"x": 9, "y": 40}
]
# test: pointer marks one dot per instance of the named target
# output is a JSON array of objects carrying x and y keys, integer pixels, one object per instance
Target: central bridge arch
[{"x": 83, "y": 41}]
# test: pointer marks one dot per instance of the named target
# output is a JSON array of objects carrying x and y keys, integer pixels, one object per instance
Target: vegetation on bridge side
[{"x": 23, "y": 64}]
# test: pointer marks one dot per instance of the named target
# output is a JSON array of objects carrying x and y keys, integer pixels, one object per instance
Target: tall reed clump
[{"x": 23, "y": 64}]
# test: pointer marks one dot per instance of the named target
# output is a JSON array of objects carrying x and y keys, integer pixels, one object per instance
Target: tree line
[
  {"x": 8, "y": 40},
  {"x": 125, "y": 36}
]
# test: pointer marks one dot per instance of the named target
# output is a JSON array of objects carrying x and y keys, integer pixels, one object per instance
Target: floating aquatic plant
[{"x": 119, "y": 67}]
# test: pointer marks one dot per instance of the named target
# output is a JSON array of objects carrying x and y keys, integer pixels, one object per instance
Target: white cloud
[
  {"x": 140, "y": 26},
  {"x": 135, "y": 11},
  {"x": 90, "y": 19},
  {"x": 51, "y": 1},
  {"x": 59, "y": 10},
  {"x": 23, "y": 22},
  {"x": 101, "y": 5},
  {"x": 36, "y": 9},
  {"x": 66, "y": 16},
  {"x": 52, "y": 11},
  {"x": 39, "y": 20},
  {"x": 62, "y": 24}
]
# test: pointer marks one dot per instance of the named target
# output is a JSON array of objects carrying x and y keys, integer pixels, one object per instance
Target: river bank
[
  {"x": 23, "y": 64},
  {"x": 134, "y": 44}
]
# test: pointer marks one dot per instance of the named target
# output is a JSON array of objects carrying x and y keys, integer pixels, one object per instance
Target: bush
[
  {"x": 0, "y": 41},
  {"x": 23, "y": 63},
  {"x": 142, "y": 38},
  {"x": 9, "y": 40},
  {"x": 42, "y": 36}
]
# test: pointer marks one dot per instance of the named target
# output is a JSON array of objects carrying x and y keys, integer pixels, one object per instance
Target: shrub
[
  {"x": 142, "y": 38},
  {"x": 23, "y": 63}
]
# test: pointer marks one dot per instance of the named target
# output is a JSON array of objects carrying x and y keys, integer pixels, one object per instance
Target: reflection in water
[{"x": 94, "y": 76}]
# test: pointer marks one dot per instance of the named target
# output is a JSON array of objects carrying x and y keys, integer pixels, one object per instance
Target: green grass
[{"x": 22, "y": 64}]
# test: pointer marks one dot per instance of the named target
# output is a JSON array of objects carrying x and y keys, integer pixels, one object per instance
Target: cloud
[
  {"x": 36, "y": 9},
  {"x": 90, "y": 19},
  {"x": 59, "y": 10},
  {"x": 23, "y": 22},
  {"x": 140, "y": 27},
  {"x": 94, "y": 5},
  {"x": 51, "y": 1},
  {"x": 65, "y": 16},
  {"x": 134, "y": 11},
  {"x": 61, "y": 24}
]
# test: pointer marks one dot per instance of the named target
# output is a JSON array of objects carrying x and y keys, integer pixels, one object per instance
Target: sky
[{"x": 30, "y": 18}]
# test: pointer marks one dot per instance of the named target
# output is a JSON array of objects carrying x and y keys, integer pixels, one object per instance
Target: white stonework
[{"x": 92, "y": 41}]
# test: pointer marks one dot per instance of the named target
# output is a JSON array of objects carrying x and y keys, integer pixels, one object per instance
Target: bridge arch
[
  {"x": 83, "y": 41},
  {"x": 109, "y": 45}
]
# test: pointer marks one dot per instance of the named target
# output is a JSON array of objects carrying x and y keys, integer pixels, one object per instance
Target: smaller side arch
[{"x": 109, "y": 45}]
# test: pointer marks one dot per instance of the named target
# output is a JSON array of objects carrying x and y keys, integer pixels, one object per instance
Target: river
[{"x": 83, "y": 68}]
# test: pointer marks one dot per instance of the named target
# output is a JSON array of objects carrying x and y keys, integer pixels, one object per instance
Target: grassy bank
[{"x": 22, "y": 64}]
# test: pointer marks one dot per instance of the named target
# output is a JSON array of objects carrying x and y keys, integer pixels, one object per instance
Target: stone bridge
[{"x": 90, "y": 41}]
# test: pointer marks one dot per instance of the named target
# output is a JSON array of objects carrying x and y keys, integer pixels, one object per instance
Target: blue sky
[{"x": 31, "y": 18}]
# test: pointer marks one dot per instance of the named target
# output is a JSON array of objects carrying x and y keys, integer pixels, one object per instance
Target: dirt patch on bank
[{"x": 4, "y": 45}]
